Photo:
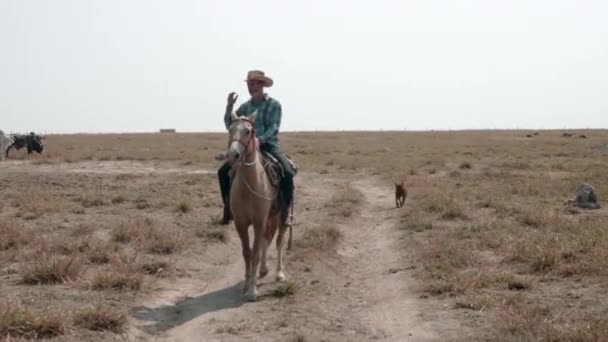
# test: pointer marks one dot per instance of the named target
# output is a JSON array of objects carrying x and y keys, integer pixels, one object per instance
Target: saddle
[{"x": 274, "y": 168}]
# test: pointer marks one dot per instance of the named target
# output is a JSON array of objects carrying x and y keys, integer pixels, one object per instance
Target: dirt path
[{"x": 362, "y": 293}]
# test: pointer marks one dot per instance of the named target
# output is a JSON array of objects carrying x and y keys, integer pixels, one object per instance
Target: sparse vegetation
[
  {"x": 321, "y": 238},
  {"x": 183, "y": 207},
  {"x": 283, "y": 289},
  {"x": 117, "y": 280},
  {"x": 52, "y": 270},
  {"x": 101, "y": 318},
  {"x": 485, "y": 223},
  {"x": 345, "y": 201},
  {"x": 12, "y": 235},
  {"x": 19, "y": 321},
  {"x": 213, "y": 232}
]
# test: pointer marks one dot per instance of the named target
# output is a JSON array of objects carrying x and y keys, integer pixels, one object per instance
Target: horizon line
[{"x": 158, "y": 131}]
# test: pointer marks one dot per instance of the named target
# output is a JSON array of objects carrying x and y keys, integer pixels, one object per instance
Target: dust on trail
[{"x": 355, "y": 295}]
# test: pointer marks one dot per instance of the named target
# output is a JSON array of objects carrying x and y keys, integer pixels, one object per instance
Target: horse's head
[{"x": 242, "y": 139}]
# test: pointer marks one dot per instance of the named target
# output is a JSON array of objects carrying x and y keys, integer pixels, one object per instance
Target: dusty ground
[
  {"x": 349, "y": 295},
  {"x": 113, "y": 238}
]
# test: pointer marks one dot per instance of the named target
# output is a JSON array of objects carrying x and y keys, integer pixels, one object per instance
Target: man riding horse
[{"x": 267, "y": 124}]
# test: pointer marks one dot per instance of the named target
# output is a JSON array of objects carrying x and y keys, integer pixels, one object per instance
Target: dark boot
[
  {"x": 287, "y": 189},
  {"x": 224, "y": 179}
]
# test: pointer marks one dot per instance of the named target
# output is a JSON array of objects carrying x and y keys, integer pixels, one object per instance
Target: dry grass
[
  {"x": 149, "y": 236},
  {"x": 485, "y": 219},
  {"x": 12, "y": 235},
  {"x": 484, "y": 233},
  {"x": 213, "y": 232},
  {"x": 183, "y": 207},
  {"x": 19, "y": 321},
  {"x": 283, "y": 289},
  {"x": 101, "y": 318},
  {"x": 52, "y": 270},
  {"x": 320, "y": 238},
  {"x": 345, "y": 201}
]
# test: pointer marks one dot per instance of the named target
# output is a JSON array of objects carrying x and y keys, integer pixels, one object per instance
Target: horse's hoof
[
  {"x": 281, "y": 276},
  {"x": 251, "y": 296},
  {"x": 263, "y": 273}
]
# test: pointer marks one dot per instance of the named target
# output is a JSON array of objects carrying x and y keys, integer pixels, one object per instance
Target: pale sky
[{"x": 136, "y": 66}]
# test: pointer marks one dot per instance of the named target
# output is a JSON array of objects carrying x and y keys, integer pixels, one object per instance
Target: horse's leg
[
  {"x": 271, "y": 228},
  {"x": 244, "y": 237},
  {"x": 258, "y": 244},
  {"x": 8, "y": 149},
  {"x": 280, "y": 270}
]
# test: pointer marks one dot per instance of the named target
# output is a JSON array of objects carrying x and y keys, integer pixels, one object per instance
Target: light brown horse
[{"x": 254, "y": 200}]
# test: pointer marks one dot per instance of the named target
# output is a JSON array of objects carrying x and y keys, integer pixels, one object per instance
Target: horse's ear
[
  {"x": 252, "y": 116},
  {"x": 234, "y": 116}
]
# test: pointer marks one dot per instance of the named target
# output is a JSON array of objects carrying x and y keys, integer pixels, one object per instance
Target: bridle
[{"x": 249, "y": 146}]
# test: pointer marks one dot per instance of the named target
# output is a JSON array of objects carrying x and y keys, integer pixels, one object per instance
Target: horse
[{"x": 254, "y": 200}]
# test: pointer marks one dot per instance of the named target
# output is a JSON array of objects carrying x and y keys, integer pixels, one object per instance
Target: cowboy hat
[{"x": 257, "y": 75}]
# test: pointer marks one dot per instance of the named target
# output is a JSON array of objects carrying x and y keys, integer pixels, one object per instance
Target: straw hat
[{"x": 258, "y": 75}]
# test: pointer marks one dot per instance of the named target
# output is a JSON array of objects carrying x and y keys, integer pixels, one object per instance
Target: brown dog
[{"x": 400, "y": 194}]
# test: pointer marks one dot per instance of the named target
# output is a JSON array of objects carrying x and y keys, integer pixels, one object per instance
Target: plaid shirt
[{"x": 267, "y": 122}]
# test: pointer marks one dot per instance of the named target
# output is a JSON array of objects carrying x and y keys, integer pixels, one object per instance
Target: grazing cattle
[
  {"x": 5, "y": 142},
  {"x": 32, "y": 142},
  {"x": 400, "y": 194}
]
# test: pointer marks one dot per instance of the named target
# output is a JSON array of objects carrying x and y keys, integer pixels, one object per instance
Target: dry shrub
[
  {"x": 213, "y": 233},
  {"x": 122, "y": 274},
  {"x": 415, "y": 222},
  {"x": 101, "y": 318},
  {"x": 444, "y": 262},
  {"x": 158, "y": 241},
  {"x": 102, "y": 253},
  {"x": 321, "y": 238},
  {"x": 12, "y": 235},
  {"x": 439, "y": 203},
  {"x": 50, "y": 269},
  {"x": 183, "y": 207},
  {"x": 113, "y": 280},
  {"x": 345, "y": 201},
  {"x": 283, "y": 290},
  {"x": 465, "y": 165},
  {"x": 520, "y": 320},
  {"x": 569, "y": 248},
  {"x": 154, "y": 267},
  {"x": 454, "y": 213},
  {"x": 525, "y": 322},
  {"x": 141, "y": 203},
  {"x": 33, "y": 204},
  {"x": 60, "y": 245},
  {"x": 90, "y": 201},
  {"x": 82, "y": 230},
  {"x": 18, "y": 321},
  {"x": 149, "y": 236},
  {"x": 118, "y": 199},
  {"x": 131, "y": 229}
]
